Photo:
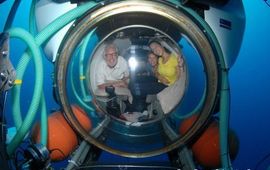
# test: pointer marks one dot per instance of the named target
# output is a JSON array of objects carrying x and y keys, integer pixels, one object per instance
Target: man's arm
[
  {"x": 123, "y": 82},
  {"x": 116, "y": 83}
]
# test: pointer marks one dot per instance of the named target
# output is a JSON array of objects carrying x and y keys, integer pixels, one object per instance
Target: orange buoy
[
  {"x": 82, "y": 117},
  {"x": 186, "y": 124},
  {"x": 206, "y": 149},
  {"x": 62, "y": 140}
]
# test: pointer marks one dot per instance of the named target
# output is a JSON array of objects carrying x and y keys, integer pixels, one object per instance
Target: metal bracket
[{"x": 7, "y": 71}]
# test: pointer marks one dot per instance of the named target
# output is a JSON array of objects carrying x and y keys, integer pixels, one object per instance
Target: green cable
[
  {"x": 43, "y": 118},
  {"x": 44, "y": 122},
  {"x": 42, "y": 37},
  {"x": 32, "y": 20},
  {"x": 225, "y": 97},
  {"x": 224, "y": 121},
  {"x": 24, "y": 127},
  {"x": 16, "y": 91},
  {"x": 75, "y": 92},
  {"x": 81, "y": 66}
]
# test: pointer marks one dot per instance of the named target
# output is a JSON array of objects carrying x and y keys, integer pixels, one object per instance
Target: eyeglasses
[{"x": 111, "y": 54}]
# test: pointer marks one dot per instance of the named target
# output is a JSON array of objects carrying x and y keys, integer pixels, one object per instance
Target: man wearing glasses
[{"x": 113, "y": 70}]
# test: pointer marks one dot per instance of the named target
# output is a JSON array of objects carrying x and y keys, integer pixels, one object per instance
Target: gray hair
[{"x": 110, "y": 46}]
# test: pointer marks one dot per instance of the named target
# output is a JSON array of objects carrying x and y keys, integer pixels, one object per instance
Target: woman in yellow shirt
[{"x": 168, "y": 70}]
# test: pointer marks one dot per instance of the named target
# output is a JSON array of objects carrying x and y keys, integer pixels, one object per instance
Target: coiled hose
[{"x": 42, "y": 37}]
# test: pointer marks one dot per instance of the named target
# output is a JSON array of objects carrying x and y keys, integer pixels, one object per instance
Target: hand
[
  {"x": 114, "y": 83},
  {"x": 180, "y": 62},
  {"x": 162, "y": 79},
  {"x": 120, "y": 83}
]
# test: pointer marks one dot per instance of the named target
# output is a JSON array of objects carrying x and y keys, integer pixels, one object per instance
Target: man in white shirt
[{"x": 113, "y": 70}]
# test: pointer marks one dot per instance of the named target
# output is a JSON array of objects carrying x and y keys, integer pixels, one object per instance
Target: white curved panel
[
  {"x": 47, "y": 11},
  {"x": 228, "y": 24}
]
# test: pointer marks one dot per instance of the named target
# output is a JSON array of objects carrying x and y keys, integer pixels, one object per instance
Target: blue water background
[{"x": 249, "y": 82}]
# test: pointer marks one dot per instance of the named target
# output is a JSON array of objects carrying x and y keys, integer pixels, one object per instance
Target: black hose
[
  {"x": 3, "y": 132},
  {"x": 11, "y": 14}
]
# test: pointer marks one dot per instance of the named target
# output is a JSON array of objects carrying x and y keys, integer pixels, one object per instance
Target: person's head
[
  {"x": 111, "y": 55},
  {"x": 152, "y": 59},
  {"x": 157, "y": 48}
]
